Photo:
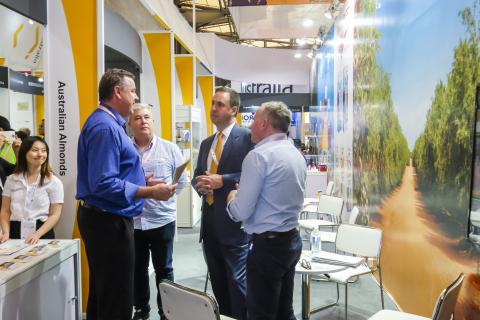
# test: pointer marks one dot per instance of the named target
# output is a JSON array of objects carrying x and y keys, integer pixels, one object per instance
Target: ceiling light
[
  {"x": 30, "y": 21},
  {"x": 328, "y": 15},
  {"x": 40, "y": 79},
  {"x": 298, "y": 55},
  {"x": 301, "y": 41},
  {"x": 332, "y": 9},
  {"x": 307, "y": 23}
]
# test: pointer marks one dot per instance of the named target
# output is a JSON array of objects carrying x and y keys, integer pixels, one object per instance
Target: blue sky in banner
[{"x": 417, "y": 46}]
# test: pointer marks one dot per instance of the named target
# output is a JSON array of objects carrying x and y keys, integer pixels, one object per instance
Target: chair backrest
[
  {"x": 330, "y": 187},
  {"x": 182, "y": 303},
  {"x": 445, "y": 306},
  {"x": 359, "y": 240},
  {"x": 330, "y": 205},
  {"x": 353, "y": 215}
]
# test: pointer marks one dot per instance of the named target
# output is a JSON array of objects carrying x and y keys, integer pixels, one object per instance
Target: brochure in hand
[
  {"x": 337, "y": 259},
  {"x": 179, "y": 171}
]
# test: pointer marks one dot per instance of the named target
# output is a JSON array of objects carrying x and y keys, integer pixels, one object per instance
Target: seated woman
[{"x": 32, "y": 196}]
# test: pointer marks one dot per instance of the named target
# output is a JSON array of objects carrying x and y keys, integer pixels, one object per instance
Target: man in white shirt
[
  {"x": 269, "y": 198},
  {"x": 155, "y": 227}
]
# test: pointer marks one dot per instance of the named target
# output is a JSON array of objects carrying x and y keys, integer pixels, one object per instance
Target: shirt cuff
[
  {"x": 230, "y": 214},
  {"x": 131, "y": 191}
]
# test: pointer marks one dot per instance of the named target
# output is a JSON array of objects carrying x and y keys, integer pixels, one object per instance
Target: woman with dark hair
[{"x": 32, "y": 196}]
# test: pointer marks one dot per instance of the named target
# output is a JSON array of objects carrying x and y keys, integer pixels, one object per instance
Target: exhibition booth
[{"x": 392, "y": 128}]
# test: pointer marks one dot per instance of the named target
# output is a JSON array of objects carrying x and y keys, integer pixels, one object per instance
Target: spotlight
[
  {"x": 30, "y": 21},
  {"x": 298, "y": 55},
  {"x": 307, "y": 23},
  {"x": 332, "y": 8},
  {"x": 301, "y": 41}
]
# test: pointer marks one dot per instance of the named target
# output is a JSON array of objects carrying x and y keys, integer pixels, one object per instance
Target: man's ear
[{"x": 116, "y": 91}]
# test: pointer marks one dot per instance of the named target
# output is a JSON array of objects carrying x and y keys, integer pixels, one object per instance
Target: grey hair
[
  {"x": 278, "y": 114},
  {"x": 140, "y": 106}
]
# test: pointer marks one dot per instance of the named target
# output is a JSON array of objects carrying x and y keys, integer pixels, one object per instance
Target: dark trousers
[
  {"x": 270, "y": 274},
  {"x": 109, "y": 245},
  {"x": 159, "y": 242},
  {"x": 15, "y": 230}
]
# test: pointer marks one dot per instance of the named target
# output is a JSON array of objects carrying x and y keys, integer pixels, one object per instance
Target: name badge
[{"x": 28, "y": 227}]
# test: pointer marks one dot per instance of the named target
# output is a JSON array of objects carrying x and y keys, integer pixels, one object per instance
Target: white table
[
  {"x": 317, "y": 268},
  {"x": 47, "y": 286}
]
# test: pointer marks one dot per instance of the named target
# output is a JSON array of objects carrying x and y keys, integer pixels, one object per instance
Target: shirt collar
[
  {"x": 117, "y": 115},
  {"x": 152, "y": 143},
  {"x": 272, "y": 137},
  {"x": 226, "y": 132}
]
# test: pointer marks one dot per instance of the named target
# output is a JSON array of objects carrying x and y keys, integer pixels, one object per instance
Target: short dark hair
[
  {"x": 110, "y": 79},
  {"x": 22, "y": 166},
  {"x": 234, "y": 96},
  {"x": 278, "y": 114},
  {"x": 5, "y": 124}
]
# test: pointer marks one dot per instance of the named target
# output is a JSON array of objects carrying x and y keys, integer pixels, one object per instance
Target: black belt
[
  {"x": 90, "y": 207},
  {"x": 274, "y": 234}
]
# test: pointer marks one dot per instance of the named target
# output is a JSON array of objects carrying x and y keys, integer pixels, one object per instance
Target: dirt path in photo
[{"x": 416, "y": 260}]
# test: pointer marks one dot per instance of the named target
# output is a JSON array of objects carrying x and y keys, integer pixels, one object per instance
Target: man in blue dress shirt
[
  {"x": 111, "y": 186},
  {"x": 155, "y": 227},
  {"x": 268, "y": 201}
]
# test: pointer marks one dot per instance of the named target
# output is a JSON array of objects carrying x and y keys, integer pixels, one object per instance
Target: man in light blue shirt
[
  {"x": 268, "y": 201},
  {"x": 155, "y": 227}
]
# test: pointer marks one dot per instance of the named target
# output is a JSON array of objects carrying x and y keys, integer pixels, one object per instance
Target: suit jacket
[{"x": 234, "y": 151}]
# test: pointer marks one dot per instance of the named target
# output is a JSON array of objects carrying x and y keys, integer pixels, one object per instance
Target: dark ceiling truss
[{"x": 211, "y": 17}]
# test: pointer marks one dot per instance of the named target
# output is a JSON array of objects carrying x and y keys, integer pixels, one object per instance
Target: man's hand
[
  {"x": 152, "y": 182},
  {"x": 209, "y": 182},
  {"x": 232, "y": 195},
  {"x": 163, "y": 191},
  {"x": 16, "y": 145}
]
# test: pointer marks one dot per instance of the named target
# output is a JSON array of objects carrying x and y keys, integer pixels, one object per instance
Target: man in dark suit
[{"x": 218, "y": 170}]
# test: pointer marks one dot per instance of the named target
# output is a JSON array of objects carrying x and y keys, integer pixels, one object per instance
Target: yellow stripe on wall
[
  {"x": 81, "y": 17},
  {"x": 160, "y": 48},
  {"x": 206, "y": 86},
  {"x": 184, "y": 68},
  {"x": 39, "y": 111}
]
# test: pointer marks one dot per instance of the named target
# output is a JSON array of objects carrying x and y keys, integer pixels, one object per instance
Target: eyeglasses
[{"x": 305, "y": 264}]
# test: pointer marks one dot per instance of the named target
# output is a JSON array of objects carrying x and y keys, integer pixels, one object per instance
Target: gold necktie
[{"x": 214, "y": 164}]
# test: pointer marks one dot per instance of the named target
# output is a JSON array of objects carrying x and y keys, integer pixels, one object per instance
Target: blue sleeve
[
  {"x": 251, "y": 184},
  {"x": 104, "y": 148}
]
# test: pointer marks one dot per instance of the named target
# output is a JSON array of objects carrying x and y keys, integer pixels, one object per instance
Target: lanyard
[
  {"x": 108, "y": 112},
  {"x": 147, "y": 154},
  {"x": 32, "y": 198}
]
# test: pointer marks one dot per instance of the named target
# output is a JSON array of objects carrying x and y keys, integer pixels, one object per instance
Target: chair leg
[
  {"x": 328, "y": 305},
  {"x": 346, "y": 300},
  {"x": 206, "y": 282},
  {"x": 381, "y": 286}
]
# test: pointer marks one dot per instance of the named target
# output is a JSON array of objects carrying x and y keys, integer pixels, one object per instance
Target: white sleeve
[
  {"x": 55, "y": 191},
  {"x": 7, "y": 188}
]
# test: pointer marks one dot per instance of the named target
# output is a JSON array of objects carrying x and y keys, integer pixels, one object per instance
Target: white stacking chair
[
  {"x": 328, "y": 206},
  {"x": 359, "y": 241},
  {"x": 327, "y": 236},
  {"x": 330, "y": 188},
  {"x": 444, "y": 308},
  {"x": 182, "y": 303},
  {"x": 314, "y": 201}
]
